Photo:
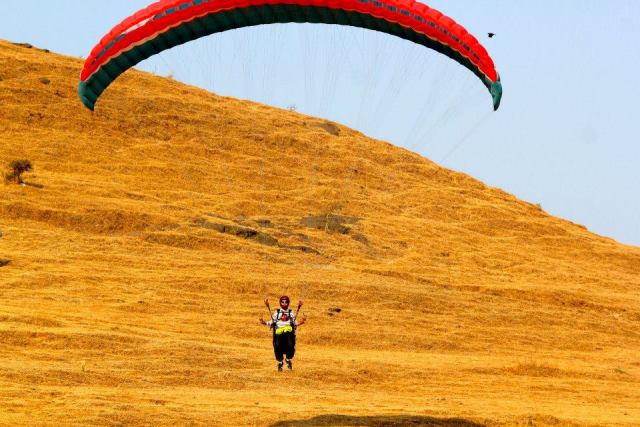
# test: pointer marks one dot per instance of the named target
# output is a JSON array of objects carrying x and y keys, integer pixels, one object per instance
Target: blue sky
[{"x": 567, "y": 135}]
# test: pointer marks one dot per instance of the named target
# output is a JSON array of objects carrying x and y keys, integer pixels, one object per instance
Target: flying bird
[{"x": 491, "y": 35}]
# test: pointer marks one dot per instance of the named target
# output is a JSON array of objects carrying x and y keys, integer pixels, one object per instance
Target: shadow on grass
[{"x": 378, "y": 421}]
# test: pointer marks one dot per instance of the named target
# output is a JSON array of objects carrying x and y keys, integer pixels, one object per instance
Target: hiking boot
[
  {"x": 279, "y": 366},
  {"x": 289, "y": 364}
]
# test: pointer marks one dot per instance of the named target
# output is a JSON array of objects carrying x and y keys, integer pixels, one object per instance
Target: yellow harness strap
[{"x": 284, "y": 329}]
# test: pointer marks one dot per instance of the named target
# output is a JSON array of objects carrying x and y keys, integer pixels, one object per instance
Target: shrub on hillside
[{"x": 18, "y": 167}]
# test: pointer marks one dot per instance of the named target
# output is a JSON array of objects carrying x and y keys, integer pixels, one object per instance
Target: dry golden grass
[{"x": 152, "y": 229}]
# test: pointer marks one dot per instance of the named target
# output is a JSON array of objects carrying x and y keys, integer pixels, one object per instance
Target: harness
[{"x": 279, "y": 331}]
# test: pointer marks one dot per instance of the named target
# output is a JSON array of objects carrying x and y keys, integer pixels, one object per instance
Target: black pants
[{"x": 284, "y": 344}]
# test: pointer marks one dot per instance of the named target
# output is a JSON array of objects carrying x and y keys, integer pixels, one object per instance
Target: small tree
[{"x": 18, "y": 167}]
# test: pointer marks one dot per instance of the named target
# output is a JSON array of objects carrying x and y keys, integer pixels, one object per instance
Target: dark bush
[{"x": 18, "y": 167}]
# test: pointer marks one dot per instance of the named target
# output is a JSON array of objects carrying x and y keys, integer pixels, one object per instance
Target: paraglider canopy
[{"x": 169, "y": 23}]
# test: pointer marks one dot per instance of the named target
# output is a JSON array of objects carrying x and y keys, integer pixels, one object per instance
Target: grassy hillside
[{"x": 138, "y": 254}]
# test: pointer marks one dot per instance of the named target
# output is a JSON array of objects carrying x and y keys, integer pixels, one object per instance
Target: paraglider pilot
[{"x": 284, "y": 323}]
